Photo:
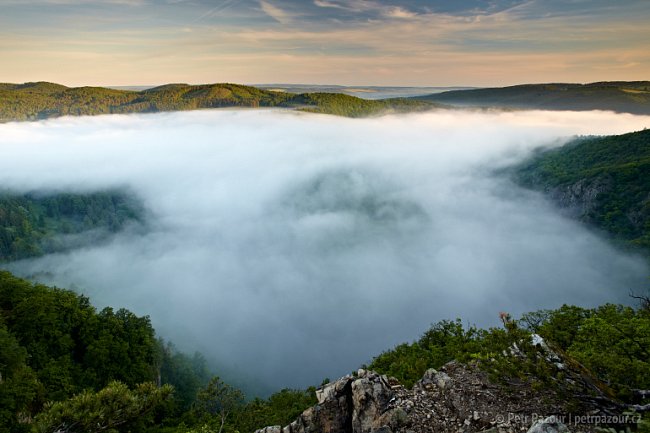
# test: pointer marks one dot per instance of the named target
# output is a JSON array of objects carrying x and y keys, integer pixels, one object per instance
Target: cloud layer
[
  {"x": 291, "y": 247},
  {"x": 352, "y": 42}
]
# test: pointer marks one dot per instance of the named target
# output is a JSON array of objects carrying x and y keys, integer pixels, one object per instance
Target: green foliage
[
  {"x": 443, "y": 342},
  {"x": 111, "y": 407},
  {"x": 559, "y": 326},
  {"x": 610, "y": 176},
  {"x": 644, "y": 424},
  {"x": 614, "y": 343},
  {"x": 32, "y": 224},
  {"x": 187, "y": 374},
  {"x": 72, "y": 346},
  {"x": 113, "y": 340},
  {"x": 85, "y": 370},
  {"x": 19, "y": 386},
  {"x": 205, "y": 428},
  {"x": 449, "y": 341},
  {"x": 511, "y": 357},
  {"x": 350, "y": 106},
  {"x": 611, "y": 342},
  {"x": 630, "y": 97},
  {"x": 34, "y": 101},
  {"x": 279, "y": 409},
  {"x": 217, "y": 401},
  {"x": 55, "y": 344}
]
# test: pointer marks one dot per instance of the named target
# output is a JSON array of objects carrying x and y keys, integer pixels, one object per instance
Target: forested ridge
[
  {"x": 42, "y": 100},
  {"x": 33, "y": 224},
  {"x": 620, "y": 96},
  {"x": 603, "y": 181}
]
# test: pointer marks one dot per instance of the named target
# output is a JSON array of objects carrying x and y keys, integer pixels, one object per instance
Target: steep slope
[
  {"x": 625, "y": 97},
  {"x": 457, "y": 398},
  {"x": 603, "y": 181},
  {"x": 54, "y": 345},
  {"x": 35, "y": 224}
]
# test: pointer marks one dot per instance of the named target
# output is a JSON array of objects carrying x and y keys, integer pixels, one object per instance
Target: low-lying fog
[{"x": 292, "y": 247}]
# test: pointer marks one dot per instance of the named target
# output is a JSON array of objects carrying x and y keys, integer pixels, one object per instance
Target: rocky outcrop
[
  {"x": 351, "y": 404},
  {"x": 579, "y": 199},
  {"x": 549, "y": 425},
  {"x": 587, "y": 200},
  {"x": 457, "y": 398}
]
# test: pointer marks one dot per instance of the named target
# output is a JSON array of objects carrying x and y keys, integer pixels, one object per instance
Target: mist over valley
[{"x": 289, "y": 247}]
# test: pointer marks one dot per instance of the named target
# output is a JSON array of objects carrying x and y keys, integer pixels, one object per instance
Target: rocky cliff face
[
  {"x": 458, "y": 398},
  {"x": 580, "y": 198},
  {"x": 595, "y": 200},
  {"x": 583, "y": 200}
]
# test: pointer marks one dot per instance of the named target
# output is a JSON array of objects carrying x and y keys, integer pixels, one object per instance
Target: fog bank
[{"x": 292, "y": 247}]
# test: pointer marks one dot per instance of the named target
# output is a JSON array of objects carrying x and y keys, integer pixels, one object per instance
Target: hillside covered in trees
[
  {"x": 619, "y": 96},
  {"x": 64, "y": 366},
  {"x": 33, "y": 224},
  {"x": 603, "y": 181},
  {"x": 42, "y": 100}
]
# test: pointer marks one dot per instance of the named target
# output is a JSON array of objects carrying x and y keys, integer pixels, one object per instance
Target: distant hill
[
  {"x": 364, "y": 92},
  {"x": 603, "y": 181},
  {"x": 350, "y": 106},
  {"x": 42, "y": 100},
  {"x": 619, "y": 96}
]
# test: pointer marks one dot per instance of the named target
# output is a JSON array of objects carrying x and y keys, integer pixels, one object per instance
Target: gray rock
[
  {"x": 350, "y": 404},
  {"x": 330, "y": 390},
  {"x": 457, "y": 398},
  {"x": 370, "y": 395},
  {"x": 433, "y": 377},
  {"x": 270, "y": 429},
  {"x": 548, "y": 425}
]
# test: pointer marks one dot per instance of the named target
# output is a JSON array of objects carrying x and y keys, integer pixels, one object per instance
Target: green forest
[
  {"x": 606, "y": 178},
  {"x": 42, "y": 100},
  {"x": 33, "y": 224},
  {"x": 578, "y": 333},
  {"x": 66, "y": 366},
  {"x": 619, "y": 96}
]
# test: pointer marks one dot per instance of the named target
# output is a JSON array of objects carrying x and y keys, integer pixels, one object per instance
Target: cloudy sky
[{"x": 353, "y": 42}]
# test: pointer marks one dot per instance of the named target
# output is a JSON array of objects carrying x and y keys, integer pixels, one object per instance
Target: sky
[
  {"x": 289, "y": 247},
  {"x": 347, "y": 42}
]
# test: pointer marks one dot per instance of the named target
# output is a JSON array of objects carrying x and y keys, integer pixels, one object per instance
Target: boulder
[
  {"x": 348, "y": 405},
  {"x": 548, "y": 425},
  {"x": 433, "y": 378}
]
